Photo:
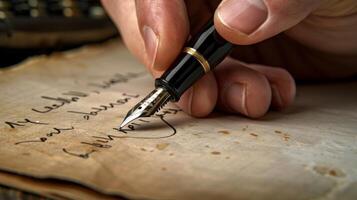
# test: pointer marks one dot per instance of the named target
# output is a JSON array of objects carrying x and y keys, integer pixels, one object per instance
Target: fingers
[
  {"x": 148, "y": 30},
  {"x": 242, "y": 90},
  {"x": 164, "y": 27},
  {"x": 251, "y": 21},
  {"x": 154, "y": 31},
  {"x": 281, "y": 83},
  {"x": 201, "y": 98},
  {"x": 124, "y": 16},
  {"x": 251, "y": 89}
]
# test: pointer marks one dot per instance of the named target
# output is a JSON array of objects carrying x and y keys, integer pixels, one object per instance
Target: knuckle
[{"x": 287, "y": 8}]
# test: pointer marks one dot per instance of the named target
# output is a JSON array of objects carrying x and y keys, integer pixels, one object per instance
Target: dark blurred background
[{"x": 31, "y": 27}]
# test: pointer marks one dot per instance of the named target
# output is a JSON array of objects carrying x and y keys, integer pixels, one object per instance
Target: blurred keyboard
[{"x": 29, "y": 24}]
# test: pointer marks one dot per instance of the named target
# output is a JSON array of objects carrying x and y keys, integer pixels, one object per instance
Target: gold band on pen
[{"x": 193, "y": 52}]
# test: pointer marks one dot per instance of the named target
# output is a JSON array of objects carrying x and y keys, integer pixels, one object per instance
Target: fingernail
[
  {"x": 235, "y": 98},
  {"x": 151, "y": 41},
  {"x": 244, "y": 16},
  {"x": 277, "y": 101}
]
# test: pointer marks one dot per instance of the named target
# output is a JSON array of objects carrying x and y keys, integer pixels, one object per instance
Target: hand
[{"x": 312, "y": 39}]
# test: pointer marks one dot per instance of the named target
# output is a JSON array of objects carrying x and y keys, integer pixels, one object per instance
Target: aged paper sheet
[
  {"x": 53, "y": 189},
  {"x": 59, "y": 117}
]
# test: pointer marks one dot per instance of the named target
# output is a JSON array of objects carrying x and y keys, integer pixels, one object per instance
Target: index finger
[{"x": 155, "y": 31}]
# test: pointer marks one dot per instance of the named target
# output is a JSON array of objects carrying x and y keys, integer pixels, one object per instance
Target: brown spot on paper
[
  {"x": 162, "y": 146},
  {"x": 225, "y": 132},
  {"x": 253, "y": 134},
  {"x": 328, "y": 171},
  {"x": 286, "y": 136}
]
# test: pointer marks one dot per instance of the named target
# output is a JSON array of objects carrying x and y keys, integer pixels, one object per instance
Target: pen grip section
[
  {"x": 202, "y": 54},
  {"x": 182, "y": 74}
]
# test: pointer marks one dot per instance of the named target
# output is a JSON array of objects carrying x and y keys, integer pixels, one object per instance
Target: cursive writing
[
  {"x": 84, "y": 155},
  {"x": 133, "y": 126},
  {"x": 96, "y": 110},
  {"x": 60, "y": 101},
  {"x": 23, "y": 122},
  {"x": 103, "y": 141},
  {"x": 55, "y": 131},
  {"x": 117, "y": 78}
]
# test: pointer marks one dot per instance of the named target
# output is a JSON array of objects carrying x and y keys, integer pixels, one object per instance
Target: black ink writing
[
  {"x": 106, "y": 139},
  {"x": 117, "y": 78},
  {"x": 95, "y": 144},
  {"x": 80, "y": 155},
  {"x": 132, "y": 127},
  {"x": 103, "y": 142},
  {"x": 60, "y": 101},
  {"x": 23, "y": 122},
  {"x": 96, "y": 110},
  {"x": 55, "y": 131}
]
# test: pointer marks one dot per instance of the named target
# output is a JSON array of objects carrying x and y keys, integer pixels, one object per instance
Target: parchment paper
[{"x": 59, "y": 117}]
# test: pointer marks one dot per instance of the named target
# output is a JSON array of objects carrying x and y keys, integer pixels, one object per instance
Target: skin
[{"x": 280, "y": 41}]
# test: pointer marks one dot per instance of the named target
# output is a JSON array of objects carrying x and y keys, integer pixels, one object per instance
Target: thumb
[{"x": 251, "y": 21}]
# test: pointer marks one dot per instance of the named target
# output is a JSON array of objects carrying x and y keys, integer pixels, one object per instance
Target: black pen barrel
[{"x": 201, "y": 55}]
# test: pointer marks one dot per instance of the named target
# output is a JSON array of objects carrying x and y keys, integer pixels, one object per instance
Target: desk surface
[{"x": 7, "y": 193}]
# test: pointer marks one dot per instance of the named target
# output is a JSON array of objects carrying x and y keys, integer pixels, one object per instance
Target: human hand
[{"x": 317, "y": 41}]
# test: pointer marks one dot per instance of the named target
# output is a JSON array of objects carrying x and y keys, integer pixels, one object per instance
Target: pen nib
[{"x": 148, "y": 106}]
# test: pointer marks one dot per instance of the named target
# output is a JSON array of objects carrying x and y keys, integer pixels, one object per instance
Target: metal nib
[{"x": 148, "y": 106}]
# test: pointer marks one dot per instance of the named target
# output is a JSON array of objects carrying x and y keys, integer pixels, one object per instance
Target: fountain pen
[{"x": 201, "y": 55}]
